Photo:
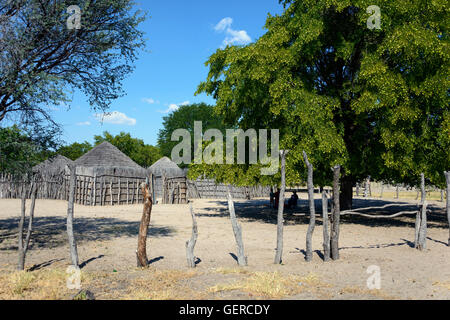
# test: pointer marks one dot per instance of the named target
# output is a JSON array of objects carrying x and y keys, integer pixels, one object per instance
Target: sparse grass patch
[
  {"x": 162, "y": 285},
  {"x": 272, "y": 285},
  {"x": 445, "y": 285},
  {"x": 47, "y": 284},
  {"x": 366, "y": 292},
  {"x": 232, "y": 271}
]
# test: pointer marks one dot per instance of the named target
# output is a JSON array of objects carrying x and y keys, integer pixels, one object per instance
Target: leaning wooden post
[
  {"x": 72, "y": 242},
  {"x": 280, "y": 224},
  {"x": 326, "y": 235},
  {"x": 237, "y": 230},
  {"x": 312, "y": 209},
  {"x": 447, "y": 178},
  {"x": 191, "y": 243},
  {"x": 336, "y": 214},
  {"x": 141, "y": 252}
]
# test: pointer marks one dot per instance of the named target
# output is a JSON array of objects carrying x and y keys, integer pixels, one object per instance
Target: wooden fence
[
  {"x": 90, "y": 191},
  {"x": 208, "y": 189}
]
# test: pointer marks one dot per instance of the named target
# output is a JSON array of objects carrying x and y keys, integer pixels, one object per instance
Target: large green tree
[
  {"x": 184, "y": 118},
  {"x": 74, "y": 150},
  {"x": 143, "y": 154},
  {"x": 45, "y": 53},
  {"x": 375, "y": 101},
  {"x": 20, "y": 150}
]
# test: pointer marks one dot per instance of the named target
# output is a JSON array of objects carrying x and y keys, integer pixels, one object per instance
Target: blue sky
[{"x": 181, "y": 36}]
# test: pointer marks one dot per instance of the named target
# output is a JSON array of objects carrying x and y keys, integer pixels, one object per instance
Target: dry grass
[
  {"x": 363, "y": 293},
  {"x": 232, "y": 271},
  {"x": 445, "y": 285},
  {"x": 407, "y": 195},
  {"x": 162, "y": 285},
  {"x": 272, "y": 285},
  {"x": 49, "y": 284}
]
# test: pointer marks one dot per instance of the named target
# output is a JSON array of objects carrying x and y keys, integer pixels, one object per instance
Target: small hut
[
  {"x": 106, "y": 176},
  {"x": 53, "y": 167},
  {"x": 168, "y": 176}
]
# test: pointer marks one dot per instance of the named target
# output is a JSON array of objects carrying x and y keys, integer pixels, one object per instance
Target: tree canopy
[
  {"x": 42, "y": 60},
  {"x": 184, "y": 118},
  {"x": 143, "y": 154},
  {"x": 372, "y": 100},
  {"x": 75, "y": 150},
  {"x": 20, "y": 150}
]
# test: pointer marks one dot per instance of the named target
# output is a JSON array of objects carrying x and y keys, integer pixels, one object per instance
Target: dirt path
[{"x": 107, "y": 240}]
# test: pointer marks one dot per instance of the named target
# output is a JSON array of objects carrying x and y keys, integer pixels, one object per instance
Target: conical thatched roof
[
  {"x": 167, "y": 167},
  {"x": 106, "y": 155},
  {"x": 52, "y": 167}
]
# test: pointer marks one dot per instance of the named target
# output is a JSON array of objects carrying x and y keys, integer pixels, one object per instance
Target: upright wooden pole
[
  {"x": 326, "y": 235},
  {"x": 421, "y": 219},
  {"x": 447, "y": 178},
  {"x": 336, "y": 214},
  {"x": 70, "y": 212},
  {"x": 312, "y": 209},
  {"x": 191, "y": 243},
  {"x": 280, "y": 218},
  {"x": 141, "y": 252}
]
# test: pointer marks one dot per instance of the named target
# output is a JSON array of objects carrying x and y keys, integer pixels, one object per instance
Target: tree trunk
[
  {"x": 72, "y": 242},
  {"x": 191, "y": 243},
  {"x": 21, "y": 264},
  {"x": 237, "y": 230},
  {"x": 447, "y": 178},
  {"x": 326, "y": 235},
  {"x": 336, "y": 214},
  {"x": 280, "y": 224},
  {"x": 346, "y": 195},
  {"x": 312, "y": 209},
  {"x": 141, "y": 252},
  {"x": 421, "y": 218}
]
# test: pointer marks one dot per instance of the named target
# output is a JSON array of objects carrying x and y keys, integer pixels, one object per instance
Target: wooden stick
[
  {"x": 141, "y": 252},
  {"x": 237, "y": 230},
  {"x": 191, "y": 243},
  {"x": 280, "y": 218},
  {"x": 312, "y": 209}
]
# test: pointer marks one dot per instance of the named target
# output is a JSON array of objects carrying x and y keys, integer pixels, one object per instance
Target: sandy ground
[{"x": 107, "y": 240}]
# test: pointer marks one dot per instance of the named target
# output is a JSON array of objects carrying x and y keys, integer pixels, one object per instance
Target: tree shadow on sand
[
  {"x": 258, "y": 210},
  {"x": 50, "y": 232}
]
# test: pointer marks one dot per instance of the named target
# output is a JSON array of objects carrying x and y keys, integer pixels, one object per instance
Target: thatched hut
[
  {"x": 52, "y": 168},
  {"x": 106, "y": 176},
  {"x": 165, "y": 168}
]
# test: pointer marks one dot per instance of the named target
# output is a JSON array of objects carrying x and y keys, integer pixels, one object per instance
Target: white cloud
[
  {"x": 115, "y": 117},
  {"x": 223, "y": 24},
  {"x": 174, "y": 107},
  {"x": 86, "y": 123},
  {"x": 149, "y": 101},
  {"x": 234, "y": 37}
]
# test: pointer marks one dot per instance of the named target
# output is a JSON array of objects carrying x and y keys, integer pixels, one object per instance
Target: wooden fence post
[
  {"x": 141, "y": 253},
  {"x": 336, "y": 214},
  {"x": 312, "y": 209},
  {"x": 70, "y": 213},
  {"x": 237, "y": 230},
  {"x": 447, "y": 178},
  {"x": 191, "y": 243},
  {"x": 280, "y": 218},
  {"x": 326, "y": 235}
]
